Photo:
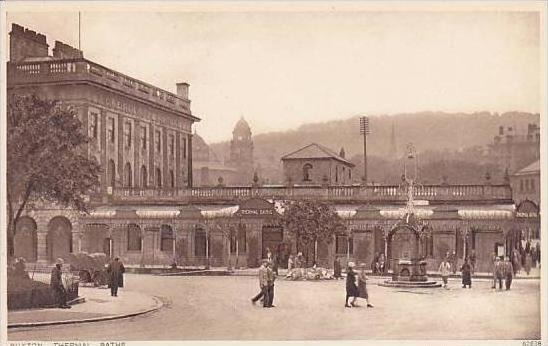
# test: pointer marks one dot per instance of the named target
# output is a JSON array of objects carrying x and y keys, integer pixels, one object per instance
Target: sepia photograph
[{"x": 175, "y": 172}]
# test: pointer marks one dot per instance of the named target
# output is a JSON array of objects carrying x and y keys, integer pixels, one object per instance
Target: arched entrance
[
  {"x": 59, "y": 238},
  {"x": 25, "y": 240}
]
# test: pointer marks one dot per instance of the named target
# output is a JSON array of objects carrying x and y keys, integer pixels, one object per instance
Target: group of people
[
  {"x": 267, "y": 276},
  {"x": 446, "y": 268},
  {"x": 356, "y": 285},
  {"x": 525, "y": 257},
  {"x": 115, "y": 271},
  {"x": 378, "y": 266},
  {"x": 502, "y": 270}
]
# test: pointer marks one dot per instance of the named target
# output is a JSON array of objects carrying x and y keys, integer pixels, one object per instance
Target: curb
[{"x": 159, "y": 305}]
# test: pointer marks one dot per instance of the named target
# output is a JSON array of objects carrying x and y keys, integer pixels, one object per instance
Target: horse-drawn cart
[{"x": 91, "y": 268}]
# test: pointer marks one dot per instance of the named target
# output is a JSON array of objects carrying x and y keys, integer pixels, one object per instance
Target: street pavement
[
  {"x": 98, "y": 305},
  {"x": 214, "y": 308}
]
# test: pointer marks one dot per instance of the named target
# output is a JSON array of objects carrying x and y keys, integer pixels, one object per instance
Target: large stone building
[
  {"x": 526, "y": 193},
  {"x": 512, "y": 150},
  {"x": 148, "y": 213},
  {"x": 140, "y": 134}
]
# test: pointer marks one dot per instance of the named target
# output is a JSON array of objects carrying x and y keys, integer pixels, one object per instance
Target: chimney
[
  {"x": 182, "y": 90},
  {"x": 501, "y": 130},
  {"x": 64, "y": 51},
  {"x": 26, "y": 43},
  {"x": 342, "y": 153}
]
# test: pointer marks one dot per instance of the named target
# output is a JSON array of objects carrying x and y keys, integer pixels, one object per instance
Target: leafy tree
[
  {"x": 311, "y": 222},
  {"x": 46, "y": 158}
]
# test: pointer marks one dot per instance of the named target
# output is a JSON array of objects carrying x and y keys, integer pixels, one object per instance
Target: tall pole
[
  {"x": 79, "y": 30},
  {"x": 364, "y": 158},
  {"x": 364, "y": 130}
]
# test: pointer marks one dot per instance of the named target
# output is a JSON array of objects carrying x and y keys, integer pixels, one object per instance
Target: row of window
[
  {"x": 527, "y": 185},
  {"x": 167, "y": 238},
  {"x": 308, "y": 167},
  {"x": 134, "y": 240},
  {"x": 128, "y": 176},
  {"x": 128, "y": 135}
]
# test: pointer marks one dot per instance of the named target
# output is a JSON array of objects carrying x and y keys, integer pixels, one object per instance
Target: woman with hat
[
  {"x": 56, "y": 284},
  {"x": 362, "y": 285},
  {"x": 351, "y": 288}
]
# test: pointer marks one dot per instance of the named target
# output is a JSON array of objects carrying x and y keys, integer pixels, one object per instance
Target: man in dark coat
[
  {"x": 351, "y": 288},
  {"x": 56, "y": 284},
  {"x": 508, "y": 273},
  {"x": 270, "y": 278},
  {"x": 115, "y": 272}
]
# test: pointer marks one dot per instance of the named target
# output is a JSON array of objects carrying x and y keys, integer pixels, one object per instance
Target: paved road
[{"x": 220, "y": 308}]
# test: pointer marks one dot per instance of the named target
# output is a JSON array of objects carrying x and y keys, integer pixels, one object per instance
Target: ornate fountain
[{"x": 406, "y": 237}]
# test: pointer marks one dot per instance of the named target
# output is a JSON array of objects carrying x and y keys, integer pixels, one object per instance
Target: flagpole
[{"x": 79, "y": 31}]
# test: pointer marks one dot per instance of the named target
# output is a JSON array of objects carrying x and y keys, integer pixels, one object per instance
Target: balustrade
[
  {"x": 388, "y": 193},
  {"x": 70, "y": 69}
]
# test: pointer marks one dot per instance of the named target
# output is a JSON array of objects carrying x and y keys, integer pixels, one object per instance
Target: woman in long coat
[
  {"x": 362, "y": 285},
  {"x": 466, "y": 274},
  {"x": 351, "y": 288}
]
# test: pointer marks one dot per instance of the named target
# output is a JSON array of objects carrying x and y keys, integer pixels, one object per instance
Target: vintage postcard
[{"x": 336, "y": 172}]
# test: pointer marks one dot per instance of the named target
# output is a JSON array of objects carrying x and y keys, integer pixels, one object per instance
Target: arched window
[
  {"x": 306, "y": 172},
  {"x": 166, "y": 238},
  {"x": 144, "y": 177},
  {"x": 111, "y": 173},
  {"x": 158, "y": 177},
  {"x": 133, "y": 237},
  {"x": 171, "y": 179},
  {"x": 127, "y": 175}
]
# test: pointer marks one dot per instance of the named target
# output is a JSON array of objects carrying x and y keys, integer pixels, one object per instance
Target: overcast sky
[{"x": 280, "y": 70}]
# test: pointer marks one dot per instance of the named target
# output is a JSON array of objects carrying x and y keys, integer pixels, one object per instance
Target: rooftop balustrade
[
  {"x": 78, "y": 70},
  {"x": 339, "y": 194}
]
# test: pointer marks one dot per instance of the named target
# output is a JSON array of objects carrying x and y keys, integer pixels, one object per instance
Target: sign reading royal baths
[{"x": 256, "y": 207}]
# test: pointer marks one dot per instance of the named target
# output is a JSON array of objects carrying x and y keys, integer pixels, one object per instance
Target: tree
[
  {"x": 311, "y": 222},
  {"x": 46, "y": 160}
]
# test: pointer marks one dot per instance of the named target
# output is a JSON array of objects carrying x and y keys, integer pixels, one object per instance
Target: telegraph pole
[{"x": 364, "y": 130}]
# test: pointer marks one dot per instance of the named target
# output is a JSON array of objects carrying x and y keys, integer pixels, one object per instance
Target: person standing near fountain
[
  {"x": 466, "y": 275},
  {"x": 445, "y": 270},
  {"x": 351, "y": 288}
]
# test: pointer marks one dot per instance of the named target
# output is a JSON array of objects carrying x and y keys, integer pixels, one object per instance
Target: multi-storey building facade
[
  {"x": 147, "y": 211},
  {"x": 141, "y": 135},
  {"x": 511, "y": 151}
]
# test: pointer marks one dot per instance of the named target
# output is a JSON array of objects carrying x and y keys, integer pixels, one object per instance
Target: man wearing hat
[
  {"x": 263, "y": 284},
  {"x": 115, "y": 270},
  {"x": 56, "y": 284}
]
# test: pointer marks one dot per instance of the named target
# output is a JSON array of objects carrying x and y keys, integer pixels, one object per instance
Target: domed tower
[{"x": 241, "y": 150}]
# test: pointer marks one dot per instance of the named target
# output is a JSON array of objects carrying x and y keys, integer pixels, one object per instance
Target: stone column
[
  {"x": 41, "y": 251},
  {"x": 76, "y": 242}
]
